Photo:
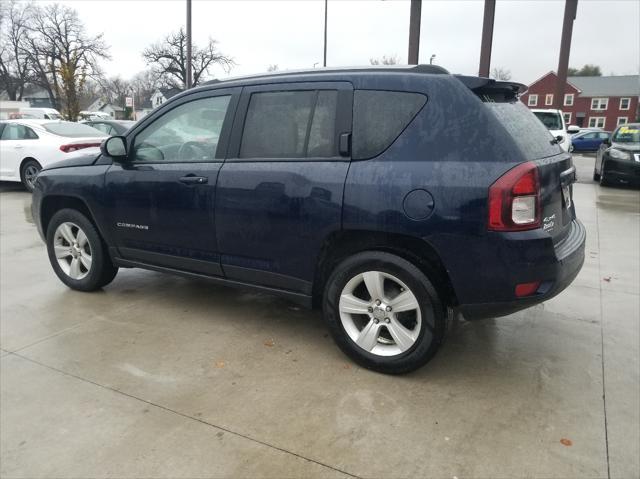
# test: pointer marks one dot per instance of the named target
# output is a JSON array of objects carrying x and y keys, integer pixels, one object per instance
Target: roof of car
[{"x": 433, "y": 69}]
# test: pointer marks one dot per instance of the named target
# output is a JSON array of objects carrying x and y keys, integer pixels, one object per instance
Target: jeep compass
[{"x": 385, "y": 196}]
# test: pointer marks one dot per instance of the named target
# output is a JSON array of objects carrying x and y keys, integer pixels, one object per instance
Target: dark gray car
[{"x": 619, "y": 158}]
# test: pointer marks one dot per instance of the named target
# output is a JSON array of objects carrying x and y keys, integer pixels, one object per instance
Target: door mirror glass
[{"x": 115, "y": 147}]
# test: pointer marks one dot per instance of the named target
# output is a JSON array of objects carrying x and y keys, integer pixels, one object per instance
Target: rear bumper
[{"x": 557, "y": 275}]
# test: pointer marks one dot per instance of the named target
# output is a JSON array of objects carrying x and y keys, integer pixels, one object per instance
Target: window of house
[
  {"x": 379, "y": 117},
  {"x": 567, "y": 118},
  {"x": 187, "y": 133},
  {"x": 290, "y": 124},
  {"x": 599, "y": 103},
  {"x": 548, "y": 99},
  {"x": 622, "y": 120},
  {"x": 597, "y": 121},
  {"x": 625, "y": 103},
  {"x": 568, "y": 99},
  {"x": 533, "y": 100}
]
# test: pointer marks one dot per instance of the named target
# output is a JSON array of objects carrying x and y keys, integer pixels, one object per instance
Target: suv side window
[
  {"x": 379, "y": 117},
  {"x": 188, "y": 133},
  {"x": 18, "y": 132},
  {"x": 291, "y": 124}
]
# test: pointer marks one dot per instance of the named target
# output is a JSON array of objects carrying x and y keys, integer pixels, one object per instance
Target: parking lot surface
[{"x": 160, "y": 376}]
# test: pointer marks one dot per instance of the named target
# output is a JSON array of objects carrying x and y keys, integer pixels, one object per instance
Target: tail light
[
  {"x": 514, "y": 200},
  {"x": 527, "y": 289},
  {"x": 77, "y": 146}
]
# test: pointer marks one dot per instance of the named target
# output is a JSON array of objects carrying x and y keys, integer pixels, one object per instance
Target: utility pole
[
  {"x": 487, "y": 37},
  {"x": 189, "y": 69},
  {"x": 570, "y": 9},
  {"x": 414, "y": 31},
  {"x": 326, "y": 6}
]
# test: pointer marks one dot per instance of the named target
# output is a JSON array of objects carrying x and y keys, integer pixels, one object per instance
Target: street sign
[{"x": 128, "y": 102}]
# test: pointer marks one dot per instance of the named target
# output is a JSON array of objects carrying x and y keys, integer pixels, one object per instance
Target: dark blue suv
[{"x": 383, "y": 195}]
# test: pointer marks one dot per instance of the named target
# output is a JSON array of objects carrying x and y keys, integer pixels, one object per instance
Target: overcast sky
[{"x": 258, "y": 33}]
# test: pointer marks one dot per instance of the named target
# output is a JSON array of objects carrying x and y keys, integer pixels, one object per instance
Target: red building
[{"x": 603, "y": 102}]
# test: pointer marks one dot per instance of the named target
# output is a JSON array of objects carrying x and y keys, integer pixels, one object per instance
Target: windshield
[
  {"x": 549, "y": 119},
  {"x": 627, "y": 134},
  {"x": 52, "y": 116},
  {"x": 72, "y": 130}
]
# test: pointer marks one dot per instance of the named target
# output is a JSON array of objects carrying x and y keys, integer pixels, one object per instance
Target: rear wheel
[
  {"x": 76, "y": 252},
  {"x": 383, "y": 312},
  {"x": 28, "y": 173}
]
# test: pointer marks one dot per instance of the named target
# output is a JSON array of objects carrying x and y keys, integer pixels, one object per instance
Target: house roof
[
  {"x": 170, "y": 92},
  {"x": 607, "y": 85}
]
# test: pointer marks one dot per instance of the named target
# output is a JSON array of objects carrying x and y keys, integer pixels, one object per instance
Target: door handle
[
  {"x": 18, "y": 146},
  {"x": 194, "y": 180}
]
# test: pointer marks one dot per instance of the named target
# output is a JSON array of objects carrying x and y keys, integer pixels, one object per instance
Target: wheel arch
[
  {"x": 342, "y": 244},
  {"x": 54, "y": 203},
  {"x": 24, "y": 160}
]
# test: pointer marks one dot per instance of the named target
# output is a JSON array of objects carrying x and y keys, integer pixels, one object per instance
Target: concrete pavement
[{"x": 160, "y": 376}]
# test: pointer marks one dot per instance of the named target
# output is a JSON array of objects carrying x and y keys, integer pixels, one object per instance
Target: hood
[
  {"x": 626, "y": 146},
  {"x": 84, "y": 157}
]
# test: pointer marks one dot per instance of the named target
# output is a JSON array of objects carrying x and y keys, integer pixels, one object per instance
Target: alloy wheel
[
  {"x": 30, "y": 174},
  {"x": 72, "y": 250},
  {"x": 380, "y": 313}
]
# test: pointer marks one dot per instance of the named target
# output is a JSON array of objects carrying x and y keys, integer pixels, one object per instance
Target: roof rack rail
[{"x": 426, "y": 69}]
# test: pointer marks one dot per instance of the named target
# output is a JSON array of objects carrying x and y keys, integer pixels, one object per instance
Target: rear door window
[
  {"x": 290, "y": 124},
  {"x": 379, "y": 117},
  {"x": 18, "y": 132}
]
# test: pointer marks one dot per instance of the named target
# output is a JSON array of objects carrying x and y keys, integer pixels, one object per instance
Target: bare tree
[
  {"x": 15, "y": 20},
  {"x": 63, "y": 56},
  {"x": 385, "y": 60},
  {"x": 273, "y": 67},
  {"x": 586, "y": 71},
  {"x": 168, "y": 59},
  {"x": 499, "y": 73},
  {"x": 144, "y": 84}
]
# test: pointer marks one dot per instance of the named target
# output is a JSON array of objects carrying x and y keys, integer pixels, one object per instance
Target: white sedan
[{"x": 26, "y": 146}]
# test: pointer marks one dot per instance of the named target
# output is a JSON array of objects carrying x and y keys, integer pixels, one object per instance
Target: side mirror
[
  {"x": 573, "y": 129},
  {"x": 115, "y": 147},
  {"x": 606, "y": 141}
]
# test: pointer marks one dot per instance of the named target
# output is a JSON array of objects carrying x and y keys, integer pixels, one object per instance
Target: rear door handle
[{"x": 194, "y": 180}]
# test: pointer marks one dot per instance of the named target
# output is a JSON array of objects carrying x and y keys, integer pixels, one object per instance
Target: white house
[{"x": 163, "y": 94}]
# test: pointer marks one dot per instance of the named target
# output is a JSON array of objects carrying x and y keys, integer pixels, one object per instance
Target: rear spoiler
[{"x": 490, "y": 90}]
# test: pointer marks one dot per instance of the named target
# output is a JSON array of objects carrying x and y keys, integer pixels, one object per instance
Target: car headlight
[{"x": 618, "y": 154}]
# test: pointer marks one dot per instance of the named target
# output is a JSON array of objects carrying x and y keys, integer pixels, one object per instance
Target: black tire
[
  {"x": 603, "y": 180},
  {"x": 596, "y": 175},
  {"x": 432, "y": 311},
  {"x": 101, "y": 272},
  {"x": 28, "y": 170}
]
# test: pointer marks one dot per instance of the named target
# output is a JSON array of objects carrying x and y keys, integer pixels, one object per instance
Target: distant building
[
  {"x": 599, "y": 102},
  {"x": 163, "y": 94}
]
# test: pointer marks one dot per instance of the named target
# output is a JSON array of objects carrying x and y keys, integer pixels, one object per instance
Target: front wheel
[
  {"x": 384, "y": 312},
  {"x": 76, "y": 252}
]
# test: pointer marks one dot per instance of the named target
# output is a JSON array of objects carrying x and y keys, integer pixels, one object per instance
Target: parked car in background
[
  {"x": 93, "y": 115},
  {"x": 40, "y": 113},
  {"x": 341, "y": 189},
  {"x": 28, "y": 145},
  {"x": 553, "y": 120},
  {"x": 111, "y": 127},
  {"x": 588, "y": 140},
  {"x": 618, "y": 159}
]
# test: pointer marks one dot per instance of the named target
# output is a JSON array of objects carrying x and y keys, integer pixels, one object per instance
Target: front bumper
[
  {"x": 625, "y": 170},
  {"x": 569, "y": 258}
]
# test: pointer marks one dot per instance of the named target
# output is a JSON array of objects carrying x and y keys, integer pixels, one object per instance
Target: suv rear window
[
  {"x": 290, "y": 124},
  {"x": 379, "y": 117},
  {"x": 528, "y": 132}
]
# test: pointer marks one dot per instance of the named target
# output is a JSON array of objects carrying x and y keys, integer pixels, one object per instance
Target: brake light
[
  {"x": 514, "y": 200},
  {"x": 527, "y": 289},
  {"x": 77, "y": 146}
]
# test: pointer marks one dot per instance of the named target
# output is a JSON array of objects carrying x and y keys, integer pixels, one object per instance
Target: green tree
[{"x": 586, "y": 71}]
